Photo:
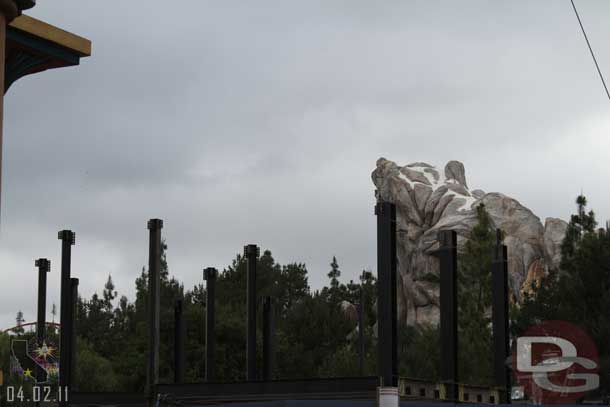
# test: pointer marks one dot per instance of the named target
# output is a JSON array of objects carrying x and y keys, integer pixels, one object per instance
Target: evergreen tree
[
  {"x": 313, "y": 336},
  {"x": 579, "y": 291},
  {"x": 337, "y": 291},
  {"x": 580, "y": 224},
  {"x": 93, "y": 371},
  {"x": 419, "y": 344},
  {"x": 295, "y": 287},
  {"x": 419, "y": 354},
  {"x": 334, "y": 273},
  {"x": 474, "y": 301},
  {"x": 109, "y": 294}
]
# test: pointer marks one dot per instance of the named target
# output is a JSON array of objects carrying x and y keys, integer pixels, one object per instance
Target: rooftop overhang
[{"x": 33, "y": 46}]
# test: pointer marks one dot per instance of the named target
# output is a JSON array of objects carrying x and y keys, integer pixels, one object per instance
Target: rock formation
[{"x": 428, "y": 200}]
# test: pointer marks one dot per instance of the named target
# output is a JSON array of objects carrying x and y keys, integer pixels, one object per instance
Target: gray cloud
[{"x": 241, "y": 123}]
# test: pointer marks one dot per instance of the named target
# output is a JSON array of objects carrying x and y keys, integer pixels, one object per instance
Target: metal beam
[
  {"x": 107, "y": 399},
  {"x": 386, "y": 293},
  {"x": 499, "y": 316},
  {"x": 209, "y": 275},
  {"x": 44, "y": 266},
  {"x": 68, "y": 239},
  {"x": 154, "y": 283},
  {"x": 73, "y": 347},
  {"x": 308, "y": 389},
  {"x": 447, "y": 255},
  {"x": 251, "y": 253}
]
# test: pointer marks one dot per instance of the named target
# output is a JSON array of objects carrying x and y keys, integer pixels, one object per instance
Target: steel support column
[
  {"x": 154, "y": 282},
  {"x": 499, "y": 312},
  {"x": 44, "y": 266},
  {"x": 386, "y": 293},
  {"x": 73, "y": 347},
  {"x": 447, "y": 255},
  {"x": 251, "y": 253},
  {"x": 68, "y": 239},
  {"x": 209, "y": 275}
]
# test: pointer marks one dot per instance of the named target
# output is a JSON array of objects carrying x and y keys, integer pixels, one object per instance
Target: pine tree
[
  {"x": 310, "y": 329},
  {"x": 334, "y": 273},
  {"x": 109, "y": 294},
  {"x": 335, "y": 291},
  {"x": 580, "y": 223},
  {"x": 474, "y": 301},
  {"x": 579, "y": 291}
]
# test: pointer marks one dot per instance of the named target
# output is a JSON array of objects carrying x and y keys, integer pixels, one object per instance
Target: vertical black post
[
  {"x": 268, "y": 338},
  {"x": 68, "y": 238},
  {"x": 154, "y": 271},
  {"x": 209, "y": 274},
  {"x": 499, "y": 311},
  {"x": 73, "y": 310},
  {"x": 447, "y": 255},
  {"x": 386, "y": 294},
  {"x": 361, "y": 325},
  {"x": 179, "y": 333},
  {"x": 251, "y": 253},
  {"x": 44, "y": 266}
]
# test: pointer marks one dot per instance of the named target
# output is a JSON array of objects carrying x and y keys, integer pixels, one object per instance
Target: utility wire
[{"x": 590, "y": 49}]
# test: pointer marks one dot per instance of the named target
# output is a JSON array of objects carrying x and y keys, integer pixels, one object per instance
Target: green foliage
[
  {"x": 334, "y": 273},
  {"x": 5, "y": 357},
  {"x": 319, "y": 329},
  {"x": 335, "y": 290},
  {"x": 419, "y": 351},
  {"x": 92, "y": 370},
  {"x": 580, "y": 223},
  {"x": 474, "y": 302},
  {"x": 579, "y": 292},
  {"x": 313, "y": 335},
  {"x": 419, "y": 345}
]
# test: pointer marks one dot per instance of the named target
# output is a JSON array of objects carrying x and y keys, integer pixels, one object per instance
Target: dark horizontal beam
[
  {"x": 310, "y": 389},
  {"x": 334, "y": 388},
  {"x": 99, "y": 398}
]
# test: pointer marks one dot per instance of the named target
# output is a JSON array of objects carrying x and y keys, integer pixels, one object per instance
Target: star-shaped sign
[
  {"x": 44, "y": 351},
  {"x": 27, "y": 373}
]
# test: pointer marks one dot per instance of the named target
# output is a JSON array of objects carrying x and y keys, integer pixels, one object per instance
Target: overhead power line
[{"x": 601, "y": 76}]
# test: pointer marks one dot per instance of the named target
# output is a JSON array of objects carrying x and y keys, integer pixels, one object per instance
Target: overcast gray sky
[{"x": 260, "y": 122}]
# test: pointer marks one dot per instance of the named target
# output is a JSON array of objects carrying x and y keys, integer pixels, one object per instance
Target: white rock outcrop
[{"x": 428, "y": 200}]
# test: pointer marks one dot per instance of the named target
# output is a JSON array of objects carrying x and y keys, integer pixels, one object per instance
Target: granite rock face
[{"x": 427, "y": 201}]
